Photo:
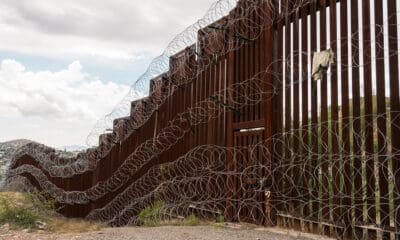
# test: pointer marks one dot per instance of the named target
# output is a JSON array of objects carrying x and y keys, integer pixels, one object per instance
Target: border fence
[{"x": 242, "y": 127}]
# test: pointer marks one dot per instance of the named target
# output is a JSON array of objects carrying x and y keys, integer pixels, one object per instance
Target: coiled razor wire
[{"x": 201, "y": 179}]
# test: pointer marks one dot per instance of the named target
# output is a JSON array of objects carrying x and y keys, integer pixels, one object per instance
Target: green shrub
[
  {"x": 17, "y": 215},
  {"x": 220, "y": 218},
  {"x": 191, "y": 220},
  {"x": 23, "y": 211},
  {"x": 151, "y": 215}
]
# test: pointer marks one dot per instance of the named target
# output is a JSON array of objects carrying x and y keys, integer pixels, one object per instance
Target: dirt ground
[{"x": 228, "y": 232}]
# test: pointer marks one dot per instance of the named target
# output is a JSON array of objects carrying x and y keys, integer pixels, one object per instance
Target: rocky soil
[{"x": 228, "y": 232}]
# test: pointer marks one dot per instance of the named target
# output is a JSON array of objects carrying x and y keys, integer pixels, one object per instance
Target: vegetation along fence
[{"x": 285, "y": 112}]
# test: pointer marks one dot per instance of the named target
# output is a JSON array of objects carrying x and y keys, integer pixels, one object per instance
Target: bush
[
  {"x": 220, "y": 218},
  {"x": 16, "y": 214},
  {"x": 24, "y": 211},
  {"x": 150, "y": 216},
  {"x": 37, "y": 210},
  {"x": 191, "y": 220}
]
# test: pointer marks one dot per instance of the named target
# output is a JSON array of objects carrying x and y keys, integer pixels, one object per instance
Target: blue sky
[{"x": 65, "y": 64}]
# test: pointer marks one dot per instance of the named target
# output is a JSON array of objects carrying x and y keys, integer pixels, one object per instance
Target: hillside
[{"x": 7, "y": 150}]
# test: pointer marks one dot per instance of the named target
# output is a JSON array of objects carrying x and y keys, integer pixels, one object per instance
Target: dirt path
[{"x": 230, "y": 232}]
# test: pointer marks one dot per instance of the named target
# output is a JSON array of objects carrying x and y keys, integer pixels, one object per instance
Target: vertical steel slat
[
  {"x": 276, "y": 198},
  {"x": 335, "y": 159},
  {"x": 288, "y": 100},
  {"x": 345, "y": 129},
  {"x": 324, "y": 154},
  {"x": 381, "y": 120},
  {"x": 314, "y": 118},
  {"x": 231, "y": 70},
  {"x": 394, "y": 104},
  {"x": 305, "y": 114},
  {"x": 268, "y": 58},
  {"x": 356, "y": 103},
  {"x": 296, "y": 202},
  {"x": 368, "y": 121}
]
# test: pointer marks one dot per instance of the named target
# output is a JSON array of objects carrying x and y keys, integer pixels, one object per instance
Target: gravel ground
[{"x": 229, "y": 232}]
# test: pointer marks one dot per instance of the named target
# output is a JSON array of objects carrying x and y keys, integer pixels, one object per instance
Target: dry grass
[
  {"x": 17, "y": 197},
  {"x": 64, "y": 225}
]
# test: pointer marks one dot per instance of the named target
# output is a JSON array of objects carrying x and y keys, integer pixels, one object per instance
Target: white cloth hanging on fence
[{"x": 321, "y": 61}]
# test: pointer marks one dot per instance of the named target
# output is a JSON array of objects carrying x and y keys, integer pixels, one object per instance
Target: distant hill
[
  {"x": 72, "y": 148},
  {"x": 7, "y": 150},
  {"x": 14, "y": 143},
  {"x": 70, "y": 151}
]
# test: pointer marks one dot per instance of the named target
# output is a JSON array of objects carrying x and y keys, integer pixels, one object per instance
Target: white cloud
[
  {"x": 114, "y": 29},
  {"x": 53, "y": 101}
]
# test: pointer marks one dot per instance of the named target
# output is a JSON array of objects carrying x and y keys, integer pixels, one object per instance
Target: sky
[{"x": 65, "y": 64}]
